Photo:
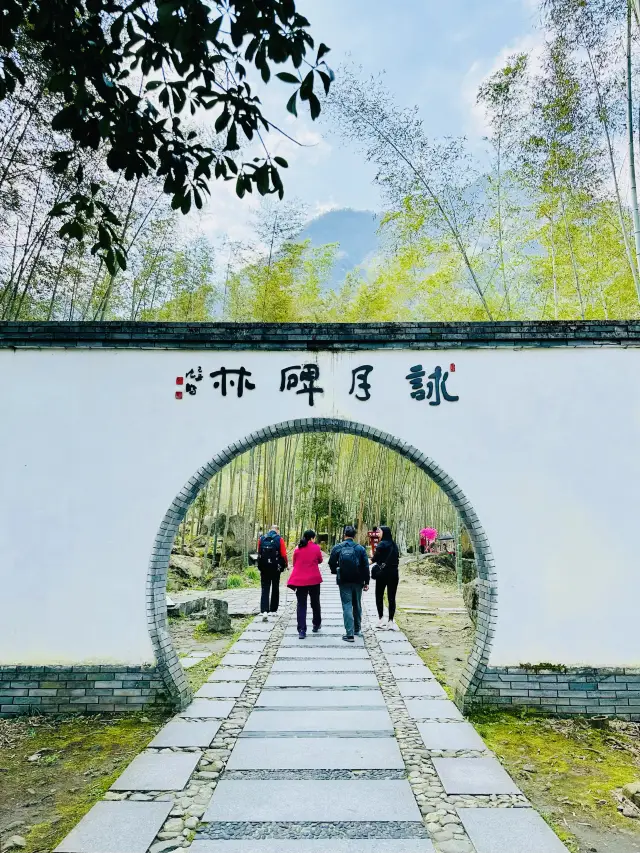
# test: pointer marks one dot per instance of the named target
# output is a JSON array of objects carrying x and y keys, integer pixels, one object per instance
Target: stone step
[
  {"x": 308, "y": 753},
  {"x": 333, "y": 665},
  {"x": 320, "y": 698},
  {"x": 322, "y": 679},
  {"x": 256, "y": 800},
  {"x": 291, "y": 721},
  {"x": 346, "y": 651},
  {"x": 122, "y": 826}
]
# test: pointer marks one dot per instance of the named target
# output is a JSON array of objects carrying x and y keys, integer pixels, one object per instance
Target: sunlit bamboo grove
[{"x": 322, "y": 481}]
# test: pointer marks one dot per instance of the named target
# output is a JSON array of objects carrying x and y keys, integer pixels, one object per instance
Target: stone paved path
[{"x": 316, "y": 746}]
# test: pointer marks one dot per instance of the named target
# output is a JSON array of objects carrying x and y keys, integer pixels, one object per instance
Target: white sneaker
[
  {"x": 265, "y": 617},
  {"x": 391, "y": 625},
  {"x": 381, "y": 623}
]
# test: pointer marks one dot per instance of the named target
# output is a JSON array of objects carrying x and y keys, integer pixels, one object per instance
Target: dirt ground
[
  {"x": 569, "y": 770},
  {"x": 53, "y": 770}
]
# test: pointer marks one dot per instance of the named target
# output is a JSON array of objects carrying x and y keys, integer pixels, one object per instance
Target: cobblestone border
[
  {"x": 189, "y": 805},
  {"x": 166, "y": 657},
  {"x": 438, "y": 809}
]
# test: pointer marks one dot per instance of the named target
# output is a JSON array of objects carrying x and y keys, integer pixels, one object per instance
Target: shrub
[
  {"x": 234, "y": 581},
  {"x": 253, "y": 575}
]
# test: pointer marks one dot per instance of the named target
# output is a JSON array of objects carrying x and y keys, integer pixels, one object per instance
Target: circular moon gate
[{"x": 167, "y": 660}]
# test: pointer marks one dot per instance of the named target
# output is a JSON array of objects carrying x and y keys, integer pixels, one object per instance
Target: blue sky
[{"x": 434, "y": 55}]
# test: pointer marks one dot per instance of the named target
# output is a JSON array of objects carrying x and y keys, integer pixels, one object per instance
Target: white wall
[{"x": 95, "y": 447}]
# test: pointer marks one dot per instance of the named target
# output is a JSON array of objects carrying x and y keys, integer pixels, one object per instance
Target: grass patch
[
  {"x": 197, "y": 675},
  {"x": 577, "y": 768},
  {"x": 84, "y": 756},
  {"x": 430, "y": 655},
  {"x": 234, "y": 581}
]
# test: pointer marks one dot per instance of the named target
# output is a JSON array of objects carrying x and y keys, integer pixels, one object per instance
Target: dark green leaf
[
  {"x": 291, "y": 104},
  {"x": 286, "y": 77},
  {"x": 314, "y": 106}
]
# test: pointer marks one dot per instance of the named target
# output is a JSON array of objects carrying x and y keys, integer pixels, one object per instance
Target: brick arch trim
[{"x": 168, "y": 664}]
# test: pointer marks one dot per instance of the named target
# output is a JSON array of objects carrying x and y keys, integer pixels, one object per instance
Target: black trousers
[
  {"x": 388, "y": 581},
  {"x": 314, "y": 597},
  {"x": 270, "y": 596}
]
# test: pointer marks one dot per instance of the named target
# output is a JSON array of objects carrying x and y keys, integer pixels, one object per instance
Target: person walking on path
[
  {"x": 348, "y": 561},
  {"x": 374, "y": 537},
  {"x": 387, "y": 560},
  {"x": 305, "y": 578},
  {"x": 272, "y": 561}
]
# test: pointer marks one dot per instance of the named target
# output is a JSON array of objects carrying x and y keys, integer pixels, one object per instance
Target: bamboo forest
[
  {"x": 539, "y": 221},
  {"x": 318, "y": 480}
]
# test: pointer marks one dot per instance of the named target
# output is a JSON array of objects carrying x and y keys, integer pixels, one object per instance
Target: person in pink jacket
[{"x": 305, "y": 578}]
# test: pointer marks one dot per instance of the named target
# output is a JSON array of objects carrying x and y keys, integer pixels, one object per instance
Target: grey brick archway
[{"x": 167, "y": 660}]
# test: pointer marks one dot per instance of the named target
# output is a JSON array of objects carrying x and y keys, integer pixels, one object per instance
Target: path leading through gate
[{"x": 316, "y": 746}]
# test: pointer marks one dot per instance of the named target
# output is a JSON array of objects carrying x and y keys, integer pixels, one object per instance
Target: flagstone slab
[
  {"x": 319, "y": 721},
  {"x": 220, "y": 690},
  {"x": 319, "y": 753},
  {"x": 230, "y": 673},
  {"x": 321, "y": 679},
  {"x": 320, "y": 640},
  {"x": 428, "y": 689},
  {"x": 156, "y": 771},
  {"x": 386, "y": 638},
  {"x": 248, "y": 647},
  {"x": 345, "y": 650},
  {"x": 432, "y": 709},
  {"x": 450, "y": 736},
  {"x": 411, "y": 672},
  {"x": 509, "y": 831},
  {"x": 409, "y": 659},
  {"x": 117, "y": 827},
  {"x": 189, "y": 662},
  {"x": 474, "y": 776},
  {"x": 397, "y": 649},
  {"x": 333, "y": 665},
  {"x": 327, "y": 630},
  {"x": 312, "y": 800},
  {"x": 315, "y": 845},
  {"x": 208, "y": 708},
  {"x": 320, "y": 698},
  {"x": 182, "y": 733},
  {"x": 237, "y": 659}
]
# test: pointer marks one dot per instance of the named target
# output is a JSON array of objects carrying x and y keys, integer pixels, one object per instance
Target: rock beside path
[{"x": 218, "y": 619}]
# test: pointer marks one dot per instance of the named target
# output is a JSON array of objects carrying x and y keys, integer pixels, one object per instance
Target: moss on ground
[
  {"x": 573, "y": 770},
  {"x": 81, "y": 757}
]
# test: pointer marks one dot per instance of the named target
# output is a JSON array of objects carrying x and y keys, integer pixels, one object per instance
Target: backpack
[
  {"x": 270, "y": 557},
  {"x": 349, "y": 562}
]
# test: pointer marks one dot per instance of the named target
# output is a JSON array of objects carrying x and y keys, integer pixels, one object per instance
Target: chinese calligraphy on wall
[{"x": 304, "y": 380}]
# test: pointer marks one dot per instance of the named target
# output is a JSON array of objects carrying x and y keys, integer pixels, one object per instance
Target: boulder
[
  {"x": 632, "y": 792},
  {"x": 186, "y": 567},
  {"x": 218, "y": 619},
  {"x": 470, "y": 595}
]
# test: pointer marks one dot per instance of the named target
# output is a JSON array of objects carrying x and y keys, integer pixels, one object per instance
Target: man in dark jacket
[{"x": 348, "y": 560}]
